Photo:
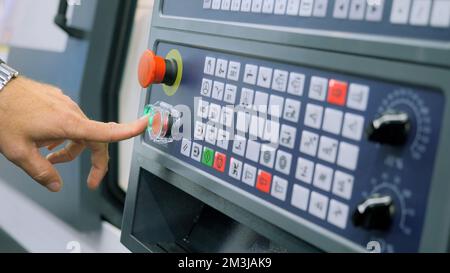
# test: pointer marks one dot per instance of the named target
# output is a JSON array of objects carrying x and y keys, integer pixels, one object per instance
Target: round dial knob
[
  {"x": 392, "y": 128},
  {"x": 375, "y": 213},
  {"x": 155, "y": 69}
]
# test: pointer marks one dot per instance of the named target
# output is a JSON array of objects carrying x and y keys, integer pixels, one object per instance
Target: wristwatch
[{"x": 6, "y": 74}]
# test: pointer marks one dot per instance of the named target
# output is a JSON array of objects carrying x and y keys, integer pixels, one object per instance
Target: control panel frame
[
  {"x": 406, "y": 49},
  {"x": 173, "y": 169}
]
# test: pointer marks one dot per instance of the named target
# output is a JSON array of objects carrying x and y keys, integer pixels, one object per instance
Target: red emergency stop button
[{"x": 155, "y": 69}]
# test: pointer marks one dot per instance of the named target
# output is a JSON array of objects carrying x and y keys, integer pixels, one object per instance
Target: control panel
[
  {"x": 424, "y": 19},
  {"x": 331, "y": 151}
]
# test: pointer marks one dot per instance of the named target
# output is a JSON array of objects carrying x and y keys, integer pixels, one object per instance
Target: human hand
[{"x": 35, "y": 115}]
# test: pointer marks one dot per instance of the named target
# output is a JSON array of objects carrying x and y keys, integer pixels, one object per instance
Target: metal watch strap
[{"x": 6, "y": 74}]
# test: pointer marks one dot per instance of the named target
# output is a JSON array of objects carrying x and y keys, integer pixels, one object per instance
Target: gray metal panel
[
  {"x": 406, "y": 49},
  {"x": 400, "y": 60},
  {"x": 434, "y": 239}
]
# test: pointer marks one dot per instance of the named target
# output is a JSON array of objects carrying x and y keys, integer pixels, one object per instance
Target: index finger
[{"x": 90, "y": 130}]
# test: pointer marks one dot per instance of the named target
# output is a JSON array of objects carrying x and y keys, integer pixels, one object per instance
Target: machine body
[{"x": 303, "y": 147}]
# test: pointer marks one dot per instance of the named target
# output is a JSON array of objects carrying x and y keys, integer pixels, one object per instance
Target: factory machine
[{"x": 293, "y": 126}]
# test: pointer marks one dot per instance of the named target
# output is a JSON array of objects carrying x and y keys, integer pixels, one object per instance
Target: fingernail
[{"x": 54, "y": 187}]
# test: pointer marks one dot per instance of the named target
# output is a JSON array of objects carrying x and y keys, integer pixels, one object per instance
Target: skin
[{"x": 35, "y": 115}]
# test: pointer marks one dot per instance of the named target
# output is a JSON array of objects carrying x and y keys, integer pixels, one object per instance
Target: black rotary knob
[
  {"x": 375, "y": 213},
  {"x": 391, "y": 127}
]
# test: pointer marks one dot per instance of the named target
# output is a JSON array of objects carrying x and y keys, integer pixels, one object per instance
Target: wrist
[{"x": 7, "y": 74}]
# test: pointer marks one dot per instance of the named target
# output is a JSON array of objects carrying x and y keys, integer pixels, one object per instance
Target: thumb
[{"x": 41, "y": 170}]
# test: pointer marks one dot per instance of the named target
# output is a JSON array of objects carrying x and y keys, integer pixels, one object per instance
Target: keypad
[
  {"x": 432, "y": 13},
  {"x": 291, "y": 136}
]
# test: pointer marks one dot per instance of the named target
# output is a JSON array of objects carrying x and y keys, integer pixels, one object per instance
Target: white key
[
  {"x": 313, "y": 116},
  {"x": 276, "y": 104},
  {"x": 211, "y": 134},
  {"x": 267, "y": 156},
  {"x": 318, "y": 88},
  {"x": 400, "y": 11},
  {"x": 253, "y": 149},
  {"x": 296, "y": 84},
  {"x": 320, "y": 8},
  {"x": 265, "y": 77},
  {"x": 279, "y": 188},
  {"x": 235, "y": 169},
  {"x": 242, "y": 122},
  {"x": 440, "y": 15},
  {"x": 218, "y": 90},
  {"x": 207, "y": 4},
  {"x": 246, "y": 5},
  {"x": 374, "y": 11},
  {"x": 292, "y": 110},
  {"x": 420, "y": 12},
  {"x": 280, "y": 80},
  {"x": 226, "y": 5},
  {"x": 300, "y": 197},
  {"x": 358, "y": 97},
  {"x": 292, "y": 7},
  {"x": 234, "y": 70},
  {"x": 357, "y": 9},
  {"x": 186, "y": 147},
  {"x": 268, "y": 6},
  {"x": 196, "y": 152},
  {"x": 210, "y": 66},
  {"x": 283, "y": 162},
  {"x": 305, "y": 170},
  {"x": 203, "y": 109},
  {"x": 221, "y": 68},
  {"x": 250, "y": 74},
  {"x": 230, "y": 94},
  {"x": 239, "y": 144},
  {"x": 261, "y": 102},
  {"x": 249, "y": 175},
  {"x": 309, "y": 143},
  {"x": 227, "y": 116},
  {"x": 338, "y": 214},
  {"x": 216, "y": 4},
  {"x": 246, "y": 98},
  {"x": 306, "y": 8},
  {"x": 214, "y": 112},
  {"x": 287, "y": 136},
  {"x": 256, "y": 128},
  {"x": 280, "y": 7},
  {"x": 199, "y": 131},
  {"x": 257, "y": 6},
  {"x": 353, "y": 126},
  {"x": 332, "y": 121},
  {"x": 328, "y": 149},
  {"x": 271, "y": 131},
  {"x": 323, "y": 176},
  {"x": 343, "y": 185},
  {"x": 318, "y": 205},
  {"x": 235, "y": 5},
  {"x": 341, "y": 8},
  {"x": 223, "y": 139},
  {"x": 348, "y": 156},
  {"x": 206, "y": 88}
]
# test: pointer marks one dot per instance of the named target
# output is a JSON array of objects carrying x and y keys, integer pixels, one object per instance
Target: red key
[
  {"x": 263, "y": 182},
  {"x": 220, "y": 162},
  {"x": 337, "y": 92}
]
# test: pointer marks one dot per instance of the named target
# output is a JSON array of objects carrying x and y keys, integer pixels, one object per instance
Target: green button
[
  {"x": 208, "y": 157},
  {"x": 148, "y": 110}
]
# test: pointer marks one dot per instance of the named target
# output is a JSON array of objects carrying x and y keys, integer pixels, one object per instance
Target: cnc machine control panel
[{"x": 337, "y": 152}]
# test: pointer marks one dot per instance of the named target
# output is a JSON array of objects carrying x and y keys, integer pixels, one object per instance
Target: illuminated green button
[
  {"x": 208, "y": 157},
  {"x": 148, "y": 110}
]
